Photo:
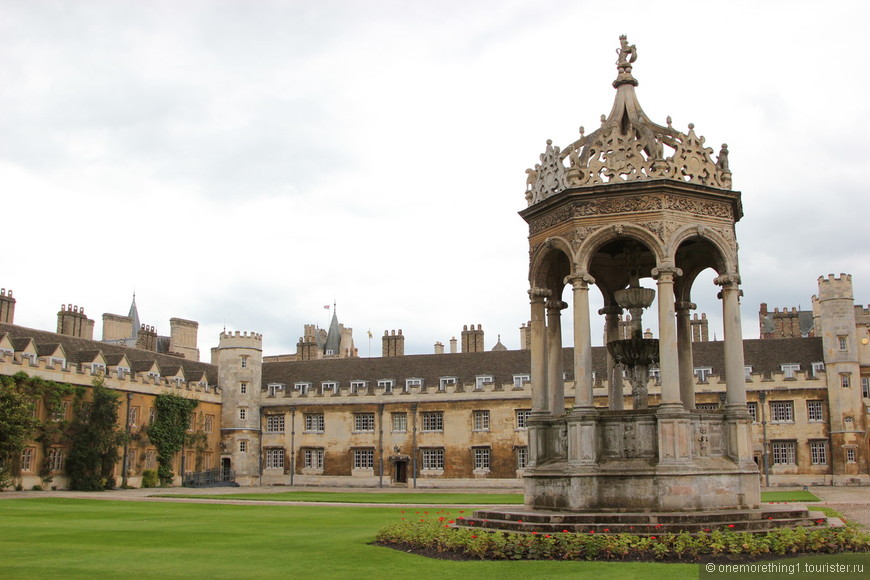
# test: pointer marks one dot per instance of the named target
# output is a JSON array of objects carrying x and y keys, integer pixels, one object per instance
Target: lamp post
[
  {"x": 126, "y": 443},
  {"x": 762, "y": 396}
]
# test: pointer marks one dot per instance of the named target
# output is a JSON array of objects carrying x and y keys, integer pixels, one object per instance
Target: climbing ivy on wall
[
  {"x": 19, "y": 396},
  {"x": 95, "y": 437},
  {"x": 168, "y": 431}
]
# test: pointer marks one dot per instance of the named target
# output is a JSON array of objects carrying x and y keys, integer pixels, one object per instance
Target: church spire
[{"x": 134, "y": 314}]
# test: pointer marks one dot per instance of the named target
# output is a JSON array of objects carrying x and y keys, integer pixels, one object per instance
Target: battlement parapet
[
  {"x": 239, "y": 339},
  {"x": 834, "y": 287},
  {"x": 7, "y": 293}
]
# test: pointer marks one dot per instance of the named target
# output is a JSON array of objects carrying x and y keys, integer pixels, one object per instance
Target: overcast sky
[{"x": 242, "y": 164}]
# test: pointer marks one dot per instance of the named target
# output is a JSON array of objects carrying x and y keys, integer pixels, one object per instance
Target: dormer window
[
  {"x": 444, "y": 381},
  {"x": 178, "y": 381},
  {"x": 98, "y": 368},
  {"x": 302, "y": 388},
  {"x": 56, "y": 361},
  {"x": 788, "y": 370},
  {"x": 702, "y": 373},
  {"x": 274, "y": 388},
  {"x": 329, "y": 386},
  {"x": 386, "y": 384},
  {"x": 416, "y": 383},
  {"x": 356, "y": 386},
  {"x": 481, "y": 380},
  {"x": 520, "y": 381},
  {"x": 122, "y": 372}
]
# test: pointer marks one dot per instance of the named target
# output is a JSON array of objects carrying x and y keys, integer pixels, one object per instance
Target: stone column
[
  {"x": 735, "y": 379},
  {"x": 555, "y": 368},
  {"x": 668, "y": 355},
  {"x": 615, "y": 399},
  {"x": 539, "y": 351},
  {"x": 684, "y": 349},
  {"x": 582, "y": 423},
  {"x": 582, "y": 341},
  {"x": 738, "y": 430}
]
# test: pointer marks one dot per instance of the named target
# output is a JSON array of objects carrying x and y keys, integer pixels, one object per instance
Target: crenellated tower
[
  {"x": 240, "y": 371},
  {"x": 835, "y": 322}
]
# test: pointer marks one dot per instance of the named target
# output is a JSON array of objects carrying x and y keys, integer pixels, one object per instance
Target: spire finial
[{"x": 626, "y": 54}]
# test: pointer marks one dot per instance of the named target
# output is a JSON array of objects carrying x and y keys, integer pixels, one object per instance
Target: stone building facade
[
  {"x": 71, "y": 356},
  {"x": 455, "y": 418}
]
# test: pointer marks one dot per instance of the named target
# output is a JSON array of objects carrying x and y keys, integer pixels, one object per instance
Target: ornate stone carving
[
  {"x": 627, "y": 146},
  {"x": 699, "y": 206},
  {"x": 548, "y": 177},
  {"x": 630, "y": 204},
  {"x": 656, "y": 227},
  {"x": 581, "y": 234},
  {"x": 551, "y": 219}
]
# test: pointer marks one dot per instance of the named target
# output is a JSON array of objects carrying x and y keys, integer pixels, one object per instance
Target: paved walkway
[{"x": 852, "y": 502}]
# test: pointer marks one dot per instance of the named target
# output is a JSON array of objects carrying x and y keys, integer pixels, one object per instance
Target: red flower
[
  {"x": 462, "y": 511},
  {"x": 427, "y": 513},
  {"x": 591, "y": 531},
  {"x": 546, "y": 535},
  {"x": 520, "y": 521},
  {"x": 403, "y": 511},
  {"x": 606, "y": 529},
  {"x": 472, "y": 537},
  {"x": 446, "y": 526},
  {"x": 441, "y": 519},
  {"x": 770, "y": 517},
  {"x": 564, "y": 531},
  {"x": 706, "y": 529},
  {"x": 451, "y": 522},
  {"x": 658, "y": 525},
  {"x": 652, "y": 537},
  {"x": 730, "y": 525},
  {"x": 534, "y": 533}
]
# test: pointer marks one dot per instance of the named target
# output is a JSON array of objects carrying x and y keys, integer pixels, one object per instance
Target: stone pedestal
[{"x": 645, "y": 459}]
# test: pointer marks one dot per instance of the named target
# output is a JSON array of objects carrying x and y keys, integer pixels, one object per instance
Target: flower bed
[{"x": 437, "y": 535}]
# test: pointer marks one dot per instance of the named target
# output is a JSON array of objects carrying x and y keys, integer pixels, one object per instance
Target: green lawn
[
  {"x": 373, "y": 497},
  {"x": 799, "y": 496},
  {"x": 67, "y": 538}
]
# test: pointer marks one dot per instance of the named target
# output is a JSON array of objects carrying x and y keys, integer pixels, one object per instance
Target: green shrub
[
  {"x": 149, "y": 478},
  {"x": 439, "y": 535},
  {"x": 36, "y": 487}
]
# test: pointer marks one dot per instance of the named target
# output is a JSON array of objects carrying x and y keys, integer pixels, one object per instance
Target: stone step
[{"x": 648, "y": 523}]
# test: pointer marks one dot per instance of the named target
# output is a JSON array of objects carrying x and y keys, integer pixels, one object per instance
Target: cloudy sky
[{"x": 244, "y": 163}]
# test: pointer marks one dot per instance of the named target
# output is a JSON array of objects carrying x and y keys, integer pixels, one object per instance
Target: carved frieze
[
  {"x": 628, "y": 204},
  {"x": 702, "y": 207},
  {"x": 556, "y": 217}
]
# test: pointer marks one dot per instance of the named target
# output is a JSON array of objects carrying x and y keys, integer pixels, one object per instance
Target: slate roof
[
  {"x": 764, "y": 356},
  {"x": 71, "y": 345}
]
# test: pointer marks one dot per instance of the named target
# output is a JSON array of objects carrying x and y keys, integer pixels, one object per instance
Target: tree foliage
[
  {"x": 95, "y": 437},
  {"x": 168, "y": 431}
]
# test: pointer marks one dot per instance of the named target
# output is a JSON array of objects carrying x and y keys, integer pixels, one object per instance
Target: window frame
[
  {"x": 427, "y": 419},
  {"x": 317, "y": 420},
  {"x": 480, "y": 420},
  {"x": 364, "y": 422}
]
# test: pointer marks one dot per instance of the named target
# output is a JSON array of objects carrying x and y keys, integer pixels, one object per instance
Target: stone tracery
[{"x": 627, "y": 146}]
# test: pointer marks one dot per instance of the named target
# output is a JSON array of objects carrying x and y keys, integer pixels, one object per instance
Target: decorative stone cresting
[{"x": 627, "y": 146}]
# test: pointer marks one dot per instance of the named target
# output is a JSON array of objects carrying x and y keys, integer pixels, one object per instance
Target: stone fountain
[{"x": 636, "y": 354}]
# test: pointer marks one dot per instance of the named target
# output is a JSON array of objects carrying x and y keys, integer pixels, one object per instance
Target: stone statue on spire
[{"x": 627, "y": 53}]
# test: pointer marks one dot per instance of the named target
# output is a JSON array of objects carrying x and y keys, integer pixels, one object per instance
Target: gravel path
[{"x": 852, "y": 502}]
